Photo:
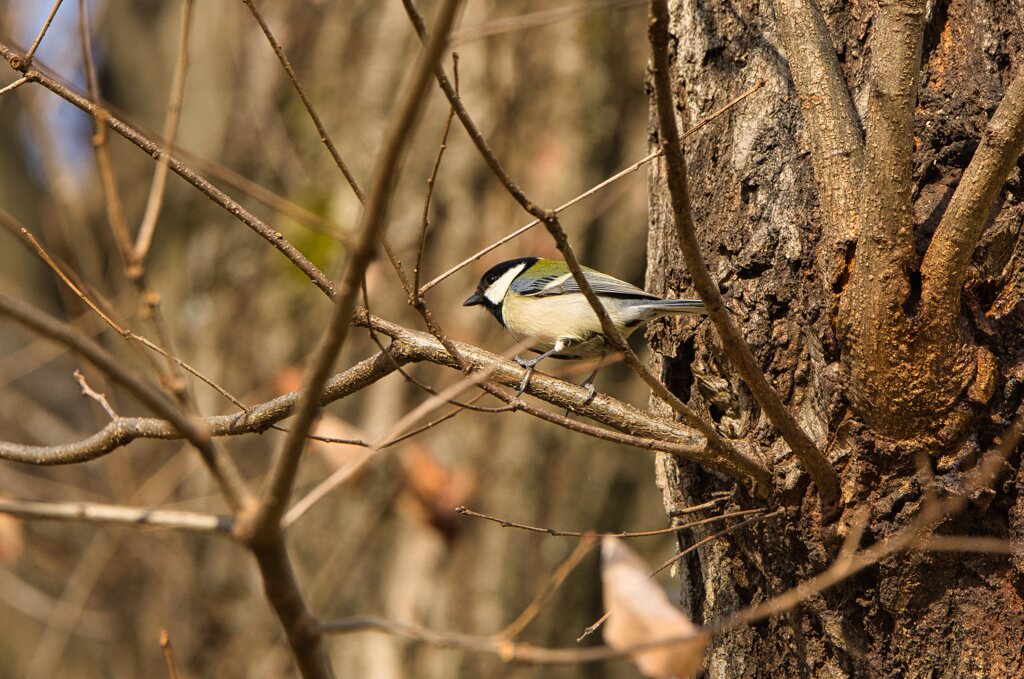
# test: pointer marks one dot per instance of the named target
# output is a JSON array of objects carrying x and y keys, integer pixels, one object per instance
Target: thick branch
[
  {"x": 631, "y": 427},
  {"x": 153, "y": 148},
  {"x": 887, "y": 237},
  {"x": 652, "y": 433},
  {"x": 945, "y": 264},
  {"x": 732, "y": 341},
  {"x": 282, "y": 591},
  {"x": 837, "y": 147}
]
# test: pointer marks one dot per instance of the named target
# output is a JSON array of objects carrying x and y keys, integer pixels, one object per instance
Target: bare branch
[
  {"x": 100, "y": 143},
  {"x": 151, "y": 147},
  {"x": 505, "y": 649},
  {"x": 945, "y": 264},
  {"x": 39, "y": 38},
  {"x": 504, "y": 523},
  {"x": 282, "y": 591},
  {"x": 540, "y": 602},
  {"x": 156, "y": 190},
  {"x": 257, "y": 419},
  {"x": 837, "y": 145},
  {"x": 732, "y": 340},
  {"x": 279, "y": 483},
  {"x": 13, "y": 86},
  {"x": 92, "y": 512},
  {"x": 886, "y": 246},
  {"x": 431, "y": 182},
  {"x": 223, "y": 470},
  {"x": 94, "y": 395},
  {"x": 714, "y": 536}
]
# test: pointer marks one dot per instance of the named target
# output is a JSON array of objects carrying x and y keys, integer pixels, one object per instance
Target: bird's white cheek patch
[{"x": 495, "y": 293}]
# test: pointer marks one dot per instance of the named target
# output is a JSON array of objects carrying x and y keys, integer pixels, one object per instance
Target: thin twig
[
  {"x": 722, "y": 533},
  {"x": 277, "y": 202},
  {"x": 596, "y": 625},
  {"x": 505, "y": 523},
  {"x": 156, "y": 190},
  {"x": 14, "y": 85},
  {"x": 15, "y": 228},
  {"x": 42, "y": 31},
  {"x": 970, "y": 543},
  {"x": 537, "y": 19},
  {"x": 431, "y": 181},
  {"x": 168, "y": 653},
  {"x": 324, "y": 137},
  {"x": 94, "y": 395},
  {"x": 101, "y": 145},
  {"x": 735, "y": 346},
  {"x": 506, "y": 650},
  {"x": 540, "y": 602}
]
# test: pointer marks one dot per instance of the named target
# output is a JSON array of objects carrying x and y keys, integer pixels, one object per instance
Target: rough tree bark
[{"x": 855, "y": 326}]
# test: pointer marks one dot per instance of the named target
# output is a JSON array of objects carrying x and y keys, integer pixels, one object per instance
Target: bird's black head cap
[{"x": 489, "y": 278}]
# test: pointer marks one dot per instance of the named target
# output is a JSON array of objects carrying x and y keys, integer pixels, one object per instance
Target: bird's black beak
[{"x": 473, "y": 300}]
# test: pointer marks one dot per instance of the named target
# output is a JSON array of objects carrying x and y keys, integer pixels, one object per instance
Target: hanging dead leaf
[
  {"x": 640, "y": 613},
  {"x": 433, "y": 491}
]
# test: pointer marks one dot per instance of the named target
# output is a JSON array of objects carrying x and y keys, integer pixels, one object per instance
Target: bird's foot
[{"x": 530, "y": 366}]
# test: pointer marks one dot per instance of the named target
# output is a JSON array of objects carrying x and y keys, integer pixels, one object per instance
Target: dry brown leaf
[
  {"x": 640, "y": 613},
  {"x": 434, "y": 490}
]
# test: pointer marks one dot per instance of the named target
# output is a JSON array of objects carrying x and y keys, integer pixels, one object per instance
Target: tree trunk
[{"x": 948, "y": 390}]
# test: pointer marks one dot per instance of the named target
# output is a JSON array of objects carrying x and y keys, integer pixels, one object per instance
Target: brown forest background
[{"x": 564, "y": 106}]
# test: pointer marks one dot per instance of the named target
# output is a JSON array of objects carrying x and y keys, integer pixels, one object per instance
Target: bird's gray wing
[{"x": 603, "y": 284}]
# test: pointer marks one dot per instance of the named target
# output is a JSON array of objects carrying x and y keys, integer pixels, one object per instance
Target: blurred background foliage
[{"x": 564, "y": 106}]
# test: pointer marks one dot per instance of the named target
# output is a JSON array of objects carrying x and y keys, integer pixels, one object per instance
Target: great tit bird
[{"x": 539, "y": 302}]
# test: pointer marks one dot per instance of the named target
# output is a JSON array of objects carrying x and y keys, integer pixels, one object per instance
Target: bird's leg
[
  {"x": 589, "y": 384},
  {"x": 531, "y": 364}
]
